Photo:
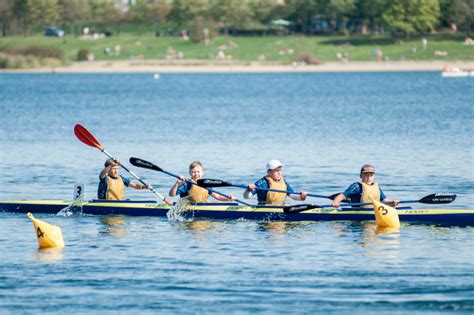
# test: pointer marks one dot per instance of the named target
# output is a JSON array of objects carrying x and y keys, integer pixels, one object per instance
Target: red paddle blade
[{"x": 85, "y": 136}]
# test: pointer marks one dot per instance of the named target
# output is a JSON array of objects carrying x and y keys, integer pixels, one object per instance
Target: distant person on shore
[
  {"x": 360, "y": 192},
  {"x": 112, "y": 184},
  {"x": 378, "y": 54},
  {"x": 186, "y": 188},
  {"x": 273, "y": 180}
]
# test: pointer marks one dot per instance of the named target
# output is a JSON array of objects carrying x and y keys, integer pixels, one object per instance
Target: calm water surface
[{"x": 416, "y": 128}]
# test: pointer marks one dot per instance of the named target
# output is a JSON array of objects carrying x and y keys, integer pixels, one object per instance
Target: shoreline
[{"x": 199, "y": 66}]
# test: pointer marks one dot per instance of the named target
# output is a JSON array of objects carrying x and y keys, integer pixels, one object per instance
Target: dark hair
[{"x": 109, "y": 161}]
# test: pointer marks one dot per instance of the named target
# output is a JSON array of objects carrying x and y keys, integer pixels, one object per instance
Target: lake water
[{"x": 416, "y": 128}]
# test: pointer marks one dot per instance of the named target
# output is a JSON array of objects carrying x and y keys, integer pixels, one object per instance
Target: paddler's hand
[
  {"x": 180, "y": 180},
  {"x": 251, "y": 187},
  {"x": 335, "y": 204},
  {"x": 232, "y": 198},
  {"x": 303, "y": 195},
  {"x": 394, "y": 203}
]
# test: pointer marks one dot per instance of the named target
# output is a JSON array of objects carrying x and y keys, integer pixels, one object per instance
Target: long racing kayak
[{"x": 231, "y": 210}]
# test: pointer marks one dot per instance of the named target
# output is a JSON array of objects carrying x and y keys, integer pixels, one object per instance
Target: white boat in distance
[{"x": 453, "y": 72}]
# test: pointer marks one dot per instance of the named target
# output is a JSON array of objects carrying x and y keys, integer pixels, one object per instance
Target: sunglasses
[{"x": 368, "y": 174}]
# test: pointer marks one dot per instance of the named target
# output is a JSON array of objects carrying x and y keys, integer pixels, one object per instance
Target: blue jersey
[
  {"x": 102, "y": 189},
  {"x": 354, "y": 192},
  {"x": 262, "y": 194},
  {"x": 183, "y": 189}
]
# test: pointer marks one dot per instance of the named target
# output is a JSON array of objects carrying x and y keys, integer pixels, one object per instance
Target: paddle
[
  {"x": 86, "y": 137},
  {"x": 145, "y": 164},
  {"x": 430, "y": 199},
  {"x": 207, "y": 182}
]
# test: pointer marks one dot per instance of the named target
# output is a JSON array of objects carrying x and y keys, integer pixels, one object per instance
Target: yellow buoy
[
  {"x": 48, "y": 235},
  {"x": 385, "y": 216}
]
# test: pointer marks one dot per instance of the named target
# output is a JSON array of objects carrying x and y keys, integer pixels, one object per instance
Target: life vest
[
  {"x": 369, "y": 190},
  {"x": 115, "y": 188},
  {"x": 198, "y": 194},
  {"x": 272, "y": 196}
]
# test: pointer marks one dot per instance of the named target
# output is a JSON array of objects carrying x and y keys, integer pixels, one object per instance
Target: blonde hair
[{"x": 194, "y": 164}]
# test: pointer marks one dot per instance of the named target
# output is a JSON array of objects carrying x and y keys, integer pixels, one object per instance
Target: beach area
[{"x": 200, "y": 66}]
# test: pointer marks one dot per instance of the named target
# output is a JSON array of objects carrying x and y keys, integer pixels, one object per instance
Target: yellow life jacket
[
  {"x": 115, "y": 188},
  {"x": 198, "y": 194},
  {"x": 369, "y": 190},
  {"x": 272, "y": 196}
]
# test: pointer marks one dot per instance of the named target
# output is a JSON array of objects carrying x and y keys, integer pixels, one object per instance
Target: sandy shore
[{"x": 199, "y": 66}]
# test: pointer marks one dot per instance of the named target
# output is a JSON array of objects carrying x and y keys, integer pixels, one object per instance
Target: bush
[
  {"x": 309, "y": 58},
  {"x": 82, "y": 54},
  {"x": 37, "y": 51}
]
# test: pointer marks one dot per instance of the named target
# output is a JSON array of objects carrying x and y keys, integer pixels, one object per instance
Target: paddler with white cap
[
  {"x": 273, "y": 180},
  {"x": 361, "y": 192}
]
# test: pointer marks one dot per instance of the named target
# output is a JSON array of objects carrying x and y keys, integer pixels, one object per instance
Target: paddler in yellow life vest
[
  {"x": 195, "y": 193},
  {"x": 273, "y": 180},
  {"x": 112, "y": 184},
  {"x": 359, "y": 192}
]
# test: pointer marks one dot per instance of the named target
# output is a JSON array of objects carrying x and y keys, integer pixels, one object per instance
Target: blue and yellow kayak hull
[{"x": 235, "y": 211}]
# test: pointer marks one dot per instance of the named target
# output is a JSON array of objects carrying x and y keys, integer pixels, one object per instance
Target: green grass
[{"x": 324, "y": 48}]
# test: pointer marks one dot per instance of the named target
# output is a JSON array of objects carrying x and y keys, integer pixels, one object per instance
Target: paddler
[
  {"x": 273, "y": 180},
  {"x": 112, "y": 184},
  {"x": 186, "y": 188},
  {"x": 359, "y": 192}
]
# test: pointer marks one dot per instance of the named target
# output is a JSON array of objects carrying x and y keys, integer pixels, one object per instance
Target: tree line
[{"x": 25, "y": 17}]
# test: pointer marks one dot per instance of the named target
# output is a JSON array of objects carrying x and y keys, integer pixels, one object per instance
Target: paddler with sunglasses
[{"x": 359, "y": 192}]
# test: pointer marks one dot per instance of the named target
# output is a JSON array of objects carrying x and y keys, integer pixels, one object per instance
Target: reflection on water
[
  {"x": 49, "y": 254},
  {"x": 201, "y": 229},
  {"x": 113, "y": 225},
  {"x": 381, "y": 242}
]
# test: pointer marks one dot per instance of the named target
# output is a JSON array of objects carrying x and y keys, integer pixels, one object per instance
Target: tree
[
  {"x": 412, "y": 15},
  {"x": 461, "y": 12},
  {"x": 262, "y": 10},
  {"x": 43, "y": 12},
  {"x": 302, "y": 13},
  {"x": 340, "y": 10},
  {"x": 369, "y": 13},
  {"x": 230, "y": 14},
  {"x": 72, "y": 12}
]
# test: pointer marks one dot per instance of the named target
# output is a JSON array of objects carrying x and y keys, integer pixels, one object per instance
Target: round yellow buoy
[
  {"x": 48, "y": 235},
  {"x": 385, "y": 216}
]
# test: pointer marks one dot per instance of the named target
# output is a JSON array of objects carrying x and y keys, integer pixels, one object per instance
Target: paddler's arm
[
  {"x": 336, "y": 203},
  {"x": 105, "y": 171},
  {"x": 384, "y": 199},
  {"x": 174, "y": 188},
  {"x": 301, "y": 197},
  {"x": 138, "y": 186},
  {"x": 392, "y": 203},
  {"x": 222, "y": 198}
]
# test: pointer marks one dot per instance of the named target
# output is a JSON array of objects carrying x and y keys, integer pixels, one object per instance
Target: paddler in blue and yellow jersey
[
  {"x": 273, "y": 180},
  {"x": 359, "y": 192},
  {"x": 112, "y": 184},
  {"x": 186, "y": 188}
]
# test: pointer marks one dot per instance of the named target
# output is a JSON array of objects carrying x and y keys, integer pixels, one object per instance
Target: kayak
[{"x": 460, "y": 217}]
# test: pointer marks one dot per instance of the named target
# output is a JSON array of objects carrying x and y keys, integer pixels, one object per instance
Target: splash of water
[
  {"x": 73, "y": 208},
  {"x": 176, "y": 212}
]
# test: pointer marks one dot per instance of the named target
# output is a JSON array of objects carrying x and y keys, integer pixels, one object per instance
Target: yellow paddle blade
[
  {"x": 48, "y": 235},
  {"x": 385, "y": 216}
]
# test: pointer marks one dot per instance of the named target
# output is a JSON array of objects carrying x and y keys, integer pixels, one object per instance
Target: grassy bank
[{"x": 271, "y": 48}]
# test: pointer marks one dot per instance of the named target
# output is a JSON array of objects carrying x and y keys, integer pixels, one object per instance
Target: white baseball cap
[{"x": 273, "y": 164}]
